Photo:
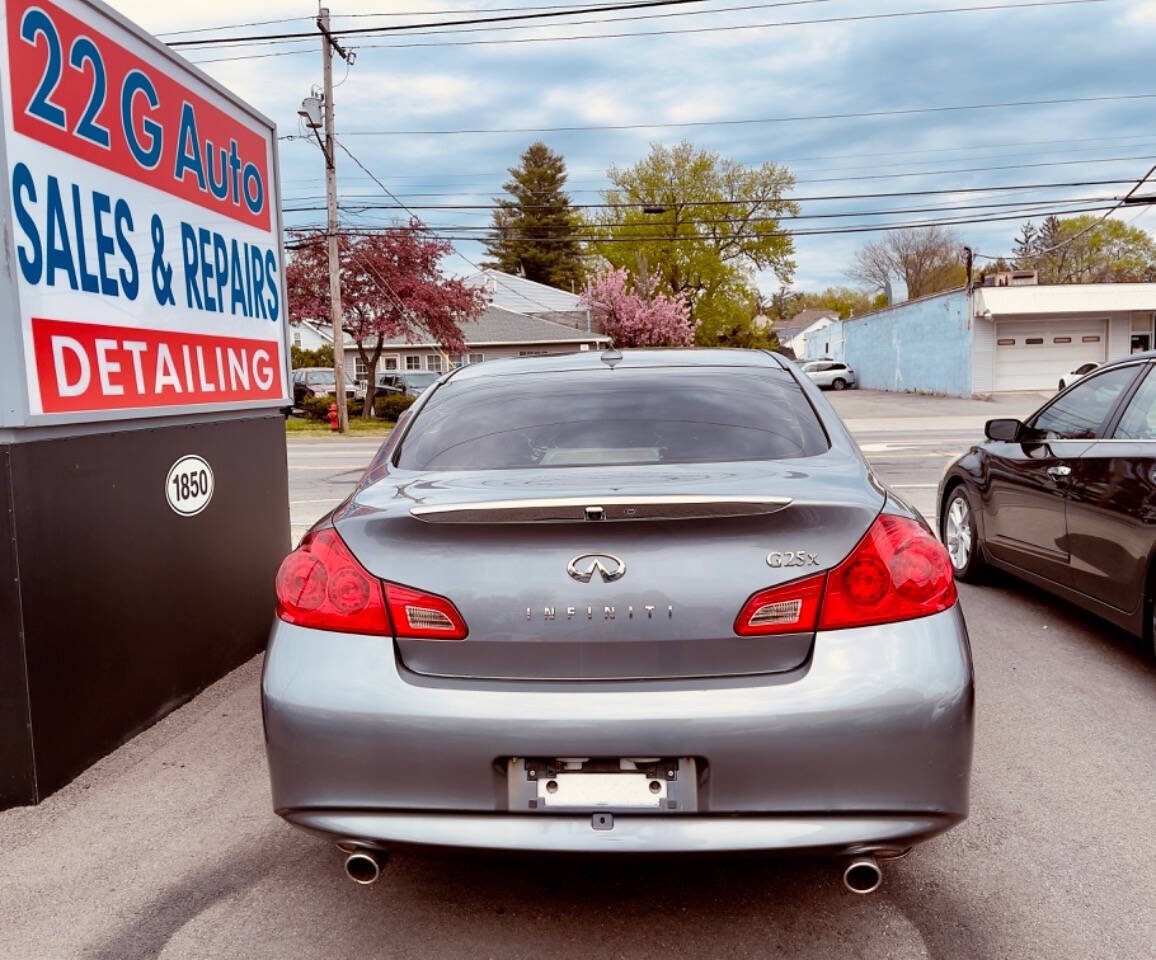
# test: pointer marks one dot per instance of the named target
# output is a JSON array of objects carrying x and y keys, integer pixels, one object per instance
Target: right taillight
[{"x": 898, "y": 571}]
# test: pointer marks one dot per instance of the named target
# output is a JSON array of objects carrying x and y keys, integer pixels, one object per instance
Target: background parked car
[
  {"x": 319, "y": 382},
  {"x": 413, "y": 382},
  {"x": 1081, "y": 371},
  {"x": 830, "y": 373},
  {"x": 1064, "y": 499}
]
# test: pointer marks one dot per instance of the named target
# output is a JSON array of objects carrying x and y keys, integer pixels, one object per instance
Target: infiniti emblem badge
[{"x": 582, "y": 568}]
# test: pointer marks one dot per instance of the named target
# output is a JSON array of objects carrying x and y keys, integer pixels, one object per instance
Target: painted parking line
[{"x": 328, "y": 466}]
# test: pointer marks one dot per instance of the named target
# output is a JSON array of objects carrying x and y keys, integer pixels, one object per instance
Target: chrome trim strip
[{"x": 584, "y": 509}]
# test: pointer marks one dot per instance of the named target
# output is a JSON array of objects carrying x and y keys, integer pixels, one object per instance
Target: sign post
[{"x": 143, "y": 371}]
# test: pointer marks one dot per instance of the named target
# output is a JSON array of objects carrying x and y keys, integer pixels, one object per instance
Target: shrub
[
  {"x": 392, "y": 405},
  {"x": 317, "y": 408}
]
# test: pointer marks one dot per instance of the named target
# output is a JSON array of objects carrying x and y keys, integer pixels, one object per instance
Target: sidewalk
[{"x": 879, "y": 411}]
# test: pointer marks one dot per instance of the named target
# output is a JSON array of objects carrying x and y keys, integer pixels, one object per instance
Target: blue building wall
[{"x": 923, "y": 344}]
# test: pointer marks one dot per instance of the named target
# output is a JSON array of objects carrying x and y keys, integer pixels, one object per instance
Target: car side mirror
[{"x": 1006, "y": 429}]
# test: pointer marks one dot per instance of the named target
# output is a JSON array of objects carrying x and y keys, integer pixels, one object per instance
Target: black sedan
[{"x": 1067, "y": 498}]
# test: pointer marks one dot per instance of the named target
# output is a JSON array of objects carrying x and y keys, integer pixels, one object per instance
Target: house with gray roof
[
  {"x": 512, "y": 292},
  {"x": 793, "y": 333},
  {"x": 498, "y": 332}
]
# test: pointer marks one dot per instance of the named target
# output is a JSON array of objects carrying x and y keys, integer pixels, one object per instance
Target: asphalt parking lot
[{"x": 168, "y": 847}]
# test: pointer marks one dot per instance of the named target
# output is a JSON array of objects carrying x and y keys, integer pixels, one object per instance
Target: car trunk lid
[{"x": 567, "y": 575}]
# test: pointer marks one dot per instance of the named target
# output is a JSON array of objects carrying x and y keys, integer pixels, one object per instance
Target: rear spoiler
[{"x": 583, "y": 509}]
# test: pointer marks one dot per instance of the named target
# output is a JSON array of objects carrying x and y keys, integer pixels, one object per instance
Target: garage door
[{"x": 1034, "y": 355}]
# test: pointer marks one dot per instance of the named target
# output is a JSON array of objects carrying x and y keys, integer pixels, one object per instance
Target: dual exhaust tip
[
  {"x": 363, "y": 866},
  {"x": 862, "y": 875}
]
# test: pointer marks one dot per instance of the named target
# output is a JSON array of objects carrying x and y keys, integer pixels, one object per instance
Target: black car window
[
  {"x": 1080, "y": 413},
  {"x": 1139, "y": 420},
  {"x": 605, "y": 417}
]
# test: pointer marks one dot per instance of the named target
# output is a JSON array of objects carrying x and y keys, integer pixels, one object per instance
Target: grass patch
[{"x": 299, "y": 426}]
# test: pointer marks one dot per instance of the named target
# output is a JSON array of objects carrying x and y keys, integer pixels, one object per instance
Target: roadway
[{"x": 168, "y": 847}]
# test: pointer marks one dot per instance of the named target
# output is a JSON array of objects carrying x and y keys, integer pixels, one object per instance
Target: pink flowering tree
[{"x": 635, "y": 313}]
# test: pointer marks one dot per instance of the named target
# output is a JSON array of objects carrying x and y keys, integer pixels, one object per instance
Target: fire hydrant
[{"x": 333, "y": 417}]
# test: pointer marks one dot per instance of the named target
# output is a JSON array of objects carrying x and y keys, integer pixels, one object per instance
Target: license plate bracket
[{"x": 587, "y": 784}]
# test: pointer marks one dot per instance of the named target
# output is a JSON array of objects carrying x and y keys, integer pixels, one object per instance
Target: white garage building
[
  {"x": 1027, "y": 338},
  {"x": 1000, "y": 338}
]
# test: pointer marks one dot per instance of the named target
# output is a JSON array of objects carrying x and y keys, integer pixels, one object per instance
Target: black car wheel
[
  {"x": 838, "y": 383},
  {"x": 961, "y": 537}
]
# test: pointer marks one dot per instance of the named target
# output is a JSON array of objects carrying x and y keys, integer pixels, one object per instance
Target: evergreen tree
[{"x": 534, "y": 229}]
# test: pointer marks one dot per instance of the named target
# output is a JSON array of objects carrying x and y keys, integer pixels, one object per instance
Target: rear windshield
[{"x": 613, "y": 417}]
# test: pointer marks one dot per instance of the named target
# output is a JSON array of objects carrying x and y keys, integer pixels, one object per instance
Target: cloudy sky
[{"x": 403, "y": 91}]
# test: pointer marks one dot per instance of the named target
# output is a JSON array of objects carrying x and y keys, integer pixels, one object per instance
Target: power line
[
  {"x": 572, "y": 187},
  {"x": 411, "y": 31},
  {"x": 1026, "y": 205},
  {"x": 737, "y": 201},
  {"x": 868, "y": 177},
  {"x": 259, "y": 39},
  {"x": 1059, "y": 246},
  {"x": 382, "y": 14},
  {"x": 850, "y": 18},
  {"x": 744, "y": 121},
  {"x": 442, "y": 178},
  {"x": 470, "y": 21},
  {"x": 832, "y": 231}
]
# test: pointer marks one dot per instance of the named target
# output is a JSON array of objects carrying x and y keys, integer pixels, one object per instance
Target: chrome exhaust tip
[
  {"x": 862, "y": 875},
  {"x": 364, "y": 866}
]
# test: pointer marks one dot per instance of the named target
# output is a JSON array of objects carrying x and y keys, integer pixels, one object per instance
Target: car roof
[
  {"x": 1131, "y": 358},
  {"x": 629, "y": 359}
]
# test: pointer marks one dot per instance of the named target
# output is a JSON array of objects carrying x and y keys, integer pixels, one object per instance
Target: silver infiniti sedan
[{"x": 641, "y": 602}]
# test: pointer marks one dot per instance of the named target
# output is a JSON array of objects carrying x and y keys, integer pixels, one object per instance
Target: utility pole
[{"x": 328, "y": 45}]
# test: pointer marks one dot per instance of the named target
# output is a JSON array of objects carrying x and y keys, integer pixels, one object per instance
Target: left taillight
[{"x": 321, "y": 584}]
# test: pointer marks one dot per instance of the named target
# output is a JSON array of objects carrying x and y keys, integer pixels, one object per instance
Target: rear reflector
[
  {"x": 898, "y": 571},
  {"x": 789, "y": 608},
  {"x": 423, "y": 615}
]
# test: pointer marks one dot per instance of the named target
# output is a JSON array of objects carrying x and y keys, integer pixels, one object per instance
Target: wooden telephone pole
[{"x": 328, "y": 45}]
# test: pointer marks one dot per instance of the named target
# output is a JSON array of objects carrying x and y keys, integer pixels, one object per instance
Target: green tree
[
  {"x": 1082, "y": 250},
  {"x": 707, "y": 224},
  {"x": 534, "y": 231},
  {"x": 847, "y": 300},
  {"x": 321, "y": 357}
]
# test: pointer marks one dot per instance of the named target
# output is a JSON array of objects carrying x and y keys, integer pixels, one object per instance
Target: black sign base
[{"x": 115, "y": 609}]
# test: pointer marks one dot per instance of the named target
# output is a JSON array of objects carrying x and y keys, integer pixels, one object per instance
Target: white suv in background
[{"x": 830, "y": 373}]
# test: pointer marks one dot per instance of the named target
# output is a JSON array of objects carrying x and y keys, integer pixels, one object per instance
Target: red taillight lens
[
  {"x": 898, "y": 571},
  {"x": 321, "y": 584},
  {"x": 789, "y": 608},
  {"x": 423, "y": 615}
]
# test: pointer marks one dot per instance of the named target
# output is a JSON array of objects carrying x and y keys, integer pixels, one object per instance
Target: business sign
[{"x": 143, "y": 211}]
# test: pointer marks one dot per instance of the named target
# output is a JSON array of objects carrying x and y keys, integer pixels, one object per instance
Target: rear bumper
[
  {"x": 631, "y": 834},
  {"x": 868, "y": 745}
]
